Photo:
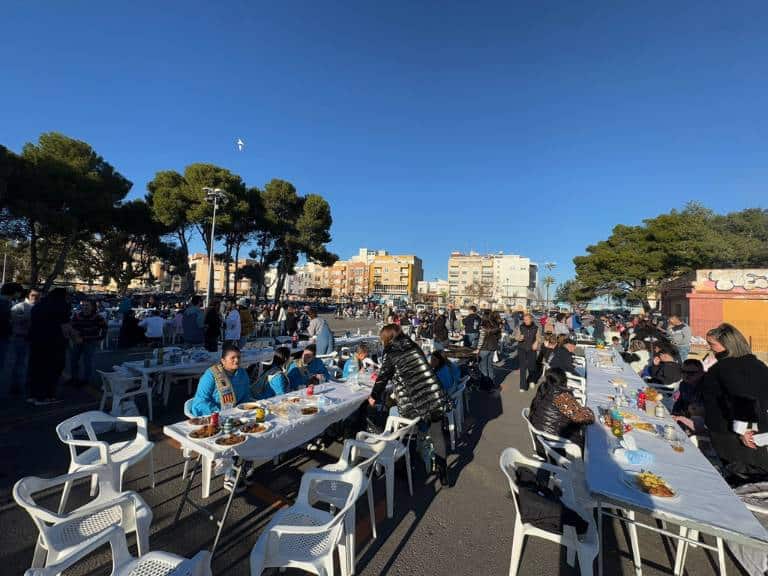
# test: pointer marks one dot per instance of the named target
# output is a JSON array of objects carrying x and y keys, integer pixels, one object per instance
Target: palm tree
[{"x": 548, "y": 281}]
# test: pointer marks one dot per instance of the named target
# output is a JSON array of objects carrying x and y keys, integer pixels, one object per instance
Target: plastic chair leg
[
  {"x": 389, "y": 473},
  {"x": 103, "y": 402},
  {"x": 570, "y": 556},
  {"x": 372, "y": 509},
  {"x": 632, "y": 529},
  {"x": 518, "y": 539},
  {"x": 38, "y": 558},
  {"x": 721, "y": 556},
  {"x": 65, "y": 496},
  {"x": 585, "y": 563},
  {"x": 142, "y": 539},
  {"x": 681, "y": 544},
  {"x": 95, "y": 484},
  {"x": 408, "y": 470},
  {"x": 452, "y": 428},
  {"x": 149, "y": 402}
]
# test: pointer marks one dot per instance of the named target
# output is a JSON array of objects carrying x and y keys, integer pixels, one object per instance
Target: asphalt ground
[{"x": 466, "y": 529}]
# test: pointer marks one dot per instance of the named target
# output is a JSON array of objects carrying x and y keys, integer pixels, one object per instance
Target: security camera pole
[{"x": 213, "y": 195}]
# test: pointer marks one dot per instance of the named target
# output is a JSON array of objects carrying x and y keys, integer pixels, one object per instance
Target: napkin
[{"x": 633, "y": 457}]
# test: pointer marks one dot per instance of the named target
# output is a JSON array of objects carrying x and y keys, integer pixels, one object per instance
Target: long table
[{"x": 703, "y": 502}]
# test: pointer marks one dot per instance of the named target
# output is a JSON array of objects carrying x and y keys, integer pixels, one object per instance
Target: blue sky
[{"x": 528, "y": 127}]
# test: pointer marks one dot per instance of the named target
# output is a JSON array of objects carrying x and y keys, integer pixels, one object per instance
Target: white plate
[
  {"x": 245, "y": 438},
  {"x": 629, "y": 476},
  {"x": 189, "y": 434},
  {"x": 267, "y": 426}
]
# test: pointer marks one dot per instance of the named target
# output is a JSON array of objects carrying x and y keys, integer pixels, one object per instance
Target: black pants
[
  {"x": 526, "y": 360},
  {"x": 46, "y": 363},
  {"x": 439, "y": 443}
]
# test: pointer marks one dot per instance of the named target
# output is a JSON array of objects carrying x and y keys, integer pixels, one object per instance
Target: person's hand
[
  {"x": 748, "y": 439},
  {"x": 371, "y": 401},
  {"x": 685, "y": 421},
  {"x": 656, "y": 360}
]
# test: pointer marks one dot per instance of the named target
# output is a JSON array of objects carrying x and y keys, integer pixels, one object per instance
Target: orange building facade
[{"x": 706, "y": 298}]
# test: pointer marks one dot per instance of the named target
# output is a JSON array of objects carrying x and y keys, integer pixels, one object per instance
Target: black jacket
[
  {"x": 737, "y": 389},
  {"x": 562, "y": 358},
  {"x": 489, "y": 338},
  {"x": 546, "y": 417},
  {"x": 418, "y": 391},
  {"x": 666, "y": 373},
  {"x": 439, "y": 329},
  {"x": 531, "y": 335},
  {"x": 471, "y": 324},
  {"x": 291, "y": 323}
]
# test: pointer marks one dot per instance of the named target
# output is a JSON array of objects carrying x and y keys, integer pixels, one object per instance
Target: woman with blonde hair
[{"x": 735, "y": 393}]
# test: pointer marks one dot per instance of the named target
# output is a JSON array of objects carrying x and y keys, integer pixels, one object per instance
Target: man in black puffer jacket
[{"x": 417, "y": 389}]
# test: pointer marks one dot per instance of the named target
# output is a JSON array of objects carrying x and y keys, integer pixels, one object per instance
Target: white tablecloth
[
  {"x": 704, "y": 500},
  {"x": 284, "y": 434}
]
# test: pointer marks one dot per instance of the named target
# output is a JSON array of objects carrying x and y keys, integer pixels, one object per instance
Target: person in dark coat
[
  {"x": 439, "y": 329},
  {"x": 48, "y": 332},
  {"x": 528, "y": 343},
  {"x": 212, "y": 327},
  {"x": 418, "y": 391},
  {"x": 735, "y": 389},
  {"x": 665, "y": 369},
  {"x": 555, "y": 410},
  {"x": 562, "y": 356}
]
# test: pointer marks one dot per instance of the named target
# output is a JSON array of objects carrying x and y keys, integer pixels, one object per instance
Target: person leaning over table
[
  {"x": 735, "y": 389},
  {"x": 224, "y": 385},
  {"x": 555, "y": 410},
  {"x": 355, "y": 363},
  {"x": 274, "y": 381},
  {"x": 562, "y": 355},
  {"x": 303, "y": 370},
  {"x": 418, "y": 392}
]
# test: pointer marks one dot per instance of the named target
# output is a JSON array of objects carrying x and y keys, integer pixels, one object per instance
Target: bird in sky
[{"x": 240, "y": 143}]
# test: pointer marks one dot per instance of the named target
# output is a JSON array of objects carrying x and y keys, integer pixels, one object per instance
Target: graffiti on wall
[{"x": 727, "y": 280}]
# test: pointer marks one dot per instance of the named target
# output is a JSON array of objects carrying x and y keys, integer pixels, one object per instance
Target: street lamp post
[{"x": 213, "y": 195}]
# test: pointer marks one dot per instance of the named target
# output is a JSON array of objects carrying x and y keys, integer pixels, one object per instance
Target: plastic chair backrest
[
  {"x": 188, "y": 408},
  {"x": 352, "y": 476},
  {"x": 85, "y": 420}
]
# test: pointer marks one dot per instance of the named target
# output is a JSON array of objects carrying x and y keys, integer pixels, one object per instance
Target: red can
[
  {"x": 215, "y": 419},
  {"x": 641, "y": 398}
]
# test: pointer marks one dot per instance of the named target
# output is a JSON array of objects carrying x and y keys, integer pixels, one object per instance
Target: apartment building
[
  {"x": 198, "y": 266},
  {"x": 491, "y": 280},
  {"x": 392, "y": 277}
]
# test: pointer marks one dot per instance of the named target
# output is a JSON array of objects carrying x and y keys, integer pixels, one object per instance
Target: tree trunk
[
  {"x": 34, "y": 264},
  {"x": 227, "y": 260},
  {"x": 189, "y": 281},
  {"x": 237, "y": 266},
  {"x": 61, "y": 260}
]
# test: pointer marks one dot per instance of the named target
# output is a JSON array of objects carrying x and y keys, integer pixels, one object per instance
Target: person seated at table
[
  {"x": 555, "y": 410},
  {"x": 303, "y": 370},
  {"x": 224, "y": 385},
  {"x": 446, "y": 371},
  {"x": 688, "y": 408},
  {"x": 665, "y": 369},
  {"x": 274, "y": 380},
  {"x": 562, "y": 356},
  {"x": 637, "y": 356},
  {"x": 734, "y": 391},
  {"x": 355, "y": 363}
]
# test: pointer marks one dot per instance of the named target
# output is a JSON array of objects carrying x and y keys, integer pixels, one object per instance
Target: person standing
[
  {"x": 153, "y": 326},
  {"x": 88, "y": 330},
  {"x": 453, "y": 320},
  {"x": 232, "y": 324},
  {"x": 320, "y": 332},
  {"x": 281, "y": 318},
  {"x": 488, "y": 343},
  {"x": 417, "y": 389},
  {"x": 680, "y": 335},
  {"x": 48, "y": 332},
  {"x": 247, "y": 325},
  {"x": 20, "y": 321},
  {"x": 193, "y": 322},
  {"x": 291, "y": 322},
  {"x": 528, "y": 342},
  {"x": 471, "y": 324},
  {"x": 212, "y": 327},
  {"x": 440, "y": 331}
]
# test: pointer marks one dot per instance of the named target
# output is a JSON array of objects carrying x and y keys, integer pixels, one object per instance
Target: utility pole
[{"x": 214, "y": 196}]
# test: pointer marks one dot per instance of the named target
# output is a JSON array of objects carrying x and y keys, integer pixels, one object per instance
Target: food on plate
[
  {"x": 199, "y": 421},
  {"x": 628, "y": 415},
  {"x": 253, "y": 428},
  {"x": 646, "y": 427},
  {"x": 204, "y": 432},
  {"x": 307, "y": 410},
  {"x": 282, "y": 410},
  {"x": 653, "y": 485},
  {"x": 652, "y": 394},
  {"x": 230, "y": 440},
  {"x": 249, "y": 406},
  {"x": 294, "y": 400}
]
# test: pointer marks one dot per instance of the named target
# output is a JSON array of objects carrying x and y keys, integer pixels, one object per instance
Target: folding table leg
[
  {"x": 680, "y": 553},
  {"x": 185, "y": 496},
  {"x": 238, "y": 467}
]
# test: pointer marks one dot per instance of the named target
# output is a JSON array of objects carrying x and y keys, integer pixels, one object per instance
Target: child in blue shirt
[
  {"x": 207, "y": 399},
  {"x": 274, "y": 381},
  {"x": 302, "y": 370}
]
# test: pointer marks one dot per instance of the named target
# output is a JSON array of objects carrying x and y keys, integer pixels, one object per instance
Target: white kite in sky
[{"x": 240, "y": 143}]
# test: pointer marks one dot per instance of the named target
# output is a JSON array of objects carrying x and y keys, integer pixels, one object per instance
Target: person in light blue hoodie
[
  {"x": 224, "y": 385},
  {"x": 274, "y": 381},
  {"x": 446, "y": 372},
  {"x": 302, "y": 371},
  {"x": 355, "y": 363}
]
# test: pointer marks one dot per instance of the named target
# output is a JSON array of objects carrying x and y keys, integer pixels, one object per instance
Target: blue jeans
[
  {"x": 84, "y": 352},
  {"x": 684, "y": 351},
  {"x": 485, "y": 364},
  {"x": 20, "y": 348},
  {"x": 470, "y": 340}
]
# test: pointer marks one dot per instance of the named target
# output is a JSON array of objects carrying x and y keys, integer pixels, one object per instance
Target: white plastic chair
[
  {"x": 121, "y": 384},
  {"x": 336, "y": 493},
  {"x": 390, "y": 446},
  {"x": 585, "y": 547},
  {"x": 456, "y": 416},
  {"x": 550, "y": 442},
  {"x": 305, "y": 537},
  {"x": 123, "y": 564},
  {"x": 118, "y": 456},
  {"x": 64, "y": 536}
]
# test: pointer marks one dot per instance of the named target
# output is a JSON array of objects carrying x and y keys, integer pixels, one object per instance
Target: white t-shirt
[
  {"x": 232, "y": 330},
  {"x": 153, "y": 326}
]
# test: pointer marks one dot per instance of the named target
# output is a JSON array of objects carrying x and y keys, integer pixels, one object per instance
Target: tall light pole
[{"x": 213, "y": 195}]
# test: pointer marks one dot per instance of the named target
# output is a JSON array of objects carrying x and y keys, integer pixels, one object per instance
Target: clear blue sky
[{"x": 531, "y": 128}]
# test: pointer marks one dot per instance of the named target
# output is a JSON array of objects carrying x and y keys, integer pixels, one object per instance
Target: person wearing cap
[
  {"x": 562, "y": 357},
  {"x": 440, "y": 331}
]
